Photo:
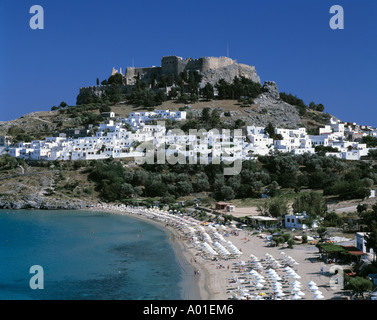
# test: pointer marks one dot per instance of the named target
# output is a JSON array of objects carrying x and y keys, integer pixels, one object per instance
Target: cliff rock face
[
  {"x": 228, "y": 73},
  {"x": 267, "y": 108},
  {"x": 272, "y": 89}
]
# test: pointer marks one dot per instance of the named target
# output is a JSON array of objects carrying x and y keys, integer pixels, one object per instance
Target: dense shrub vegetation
[{"x": 269, "y": 175}]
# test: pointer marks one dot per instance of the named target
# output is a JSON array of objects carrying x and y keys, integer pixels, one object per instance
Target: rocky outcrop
[
  {"x": 228, "y": 73},
  {"x": 271, "y": 89},
  {"x": 36, "y": 202}
]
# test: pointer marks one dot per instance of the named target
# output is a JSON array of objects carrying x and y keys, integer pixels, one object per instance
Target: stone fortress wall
[
  {"x": 212, "y": 69},
  {"x": 175, "y": 65}
]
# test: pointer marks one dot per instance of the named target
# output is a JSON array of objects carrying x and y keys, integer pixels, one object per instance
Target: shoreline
[
  {"x": 225, "y": 276},
  {"x": 191, "y": 290}
]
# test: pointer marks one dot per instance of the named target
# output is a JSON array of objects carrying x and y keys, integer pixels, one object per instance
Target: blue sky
[{"x": 289, "y": 42}]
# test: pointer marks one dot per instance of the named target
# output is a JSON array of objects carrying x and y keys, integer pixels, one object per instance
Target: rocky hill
[{"x": 267, "y": 107}]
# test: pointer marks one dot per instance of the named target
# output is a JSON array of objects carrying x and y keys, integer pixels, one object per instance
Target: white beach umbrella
[
  {"x": 313, "y": 288},
  {"x": 317, "y": 292},
  {"x": 287, "y": 269},
  {"x": 295, "y": 297},
  {"x": 311, "y": 283},
  {"x": 258, "y": 265},
  {"x": 295, "y": 289},
  {"x": 259, "y": 277},
  {"x": 276, "y": 290},
  {"x": 224, "y": 251},
  {"x": 300, "y": 293},
  {"x": 259, "y": 285},
  {"x": 296, "y": 283},
  {"x": 318, "y": 297},
  {"x": 280, "y": 294},
  {"x": 290, "y": 272},
  {"x": 277, "y": 286},
  {"x": 271, "y": 271}
]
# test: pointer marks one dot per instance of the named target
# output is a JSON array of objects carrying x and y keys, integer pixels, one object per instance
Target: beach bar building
[
  {"x": 334, "y": 253},
  {"x": 226, "y": 206},
  {"x": 262, "y": 222}
]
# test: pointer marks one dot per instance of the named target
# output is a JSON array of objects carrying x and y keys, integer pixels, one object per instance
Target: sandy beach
[{"x": 229, "y": 277}]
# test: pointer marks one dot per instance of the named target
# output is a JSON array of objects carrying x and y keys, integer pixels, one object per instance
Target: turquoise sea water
[{"x": 86, "y": 255}]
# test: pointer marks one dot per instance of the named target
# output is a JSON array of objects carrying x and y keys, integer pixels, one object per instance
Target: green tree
[
  {"x": 322, "y": 231},
  {"x": 278, "y": 240},
  {"x": 127, "y": 190},
  {"x": 208, "y": 92},
  {"x": 320, "y": 107},
  {"x": 331, "y": 219},
  {"x": 156, "y": 189},
  {"x": 359, "y": 286},
  {"x": 170, "y": 80},
  {"x": 227, "y": 193},
  {"x": 201, "y": 182},
  {"x": 370, "y": 141},
  {"x": 286, "y": 236},
  {"x": 312, "y": 105},
  {"x": 184, "y": 188},
  {"x": 291, "y": 243},
  {"x": 206, "y": 114},
  {"x": 270, "y": 130},
  {"x": 370, "y": 219},
  {"x": 173, "y": 93},
  {"x": 215, "y": 118},
  {"x": 194, "y": 98},
  {"x": 277, "y": 207},
  {"x": 160, "y": 97},
  {"x": 115, "y": 79},
  {"x": 62, "y": 105},
  {"x": 162, "y": 82},
  {"x": 312, "y": 202}
]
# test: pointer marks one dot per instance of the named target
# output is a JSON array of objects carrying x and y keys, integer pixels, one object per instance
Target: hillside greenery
[{"x": 269, "y": 175}]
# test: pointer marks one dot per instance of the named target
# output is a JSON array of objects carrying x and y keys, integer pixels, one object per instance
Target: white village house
[
  {"x": 113, "y": 139},
  {"x": 297, "y": 221}
]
